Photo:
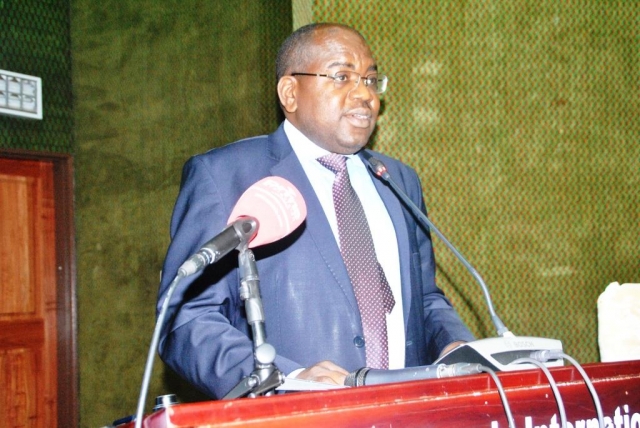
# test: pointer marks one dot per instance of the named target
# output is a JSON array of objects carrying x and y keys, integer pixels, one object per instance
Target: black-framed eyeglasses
[{"x": 350, "y": 79}]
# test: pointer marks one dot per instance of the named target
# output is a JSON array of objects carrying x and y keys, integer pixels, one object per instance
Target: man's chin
[
  {"x": 354, "y": 143},
  {"x": 351, "y": 148}
]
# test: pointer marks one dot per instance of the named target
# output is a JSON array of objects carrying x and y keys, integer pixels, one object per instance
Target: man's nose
[{"x": 361, "y": 90}]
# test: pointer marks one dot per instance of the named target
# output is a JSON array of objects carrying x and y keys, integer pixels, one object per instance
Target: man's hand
[
  {"x": 450, "y": 347},
  {"x": 324, "y": 371}
]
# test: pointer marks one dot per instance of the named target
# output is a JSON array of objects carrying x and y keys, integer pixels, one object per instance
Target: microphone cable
[
  {"x": 146, "y": 378},
  {"x": 503, "y": 396},
  {"x": 552, "y": 383},
  {"x": 546, "y": 355}
]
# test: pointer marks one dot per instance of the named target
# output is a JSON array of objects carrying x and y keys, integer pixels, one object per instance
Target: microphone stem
[
  {"x": 153, "y": 348},
  {"x": 501, "y": 329},
  {"x": 266, "y": 376},
  {"x": 250, "y": 295}
]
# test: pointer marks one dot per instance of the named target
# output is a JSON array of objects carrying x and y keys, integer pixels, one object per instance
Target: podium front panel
[{"x": 467, "y": 401}]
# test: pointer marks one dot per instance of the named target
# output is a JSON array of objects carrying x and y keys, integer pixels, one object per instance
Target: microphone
[
  {"x": 267, "y": 211},
  {"x": 495, "y": 353},
  {"x": 237, "y": 234},
  {"x": 366, "y": 376}
]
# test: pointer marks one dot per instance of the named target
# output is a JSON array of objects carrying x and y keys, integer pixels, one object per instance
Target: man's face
[{"x": 340, "y": 120}]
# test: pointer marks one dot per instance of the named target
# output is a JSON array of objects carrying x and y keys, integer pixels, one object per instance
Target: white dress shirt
[{"x": 382, "y": 230}]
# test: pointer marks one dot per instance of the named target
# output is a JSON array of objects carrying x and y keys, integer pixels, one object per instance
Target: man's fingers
[
  {"x": 329, "y": 365},
  {"x": 324, "y": 371}
]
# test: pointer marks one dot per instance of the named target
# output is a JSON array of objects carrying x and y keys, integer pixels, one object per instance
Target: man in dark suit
[{"x": 328, "y": 86}]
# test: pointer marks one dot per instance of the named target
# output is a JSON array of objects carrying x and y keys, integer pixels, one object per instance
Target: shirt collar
[{"x": 304, "y": 148}]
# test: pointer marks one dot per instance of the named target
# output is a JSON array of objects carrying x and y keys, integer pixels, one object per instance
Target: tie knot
[{"x": 334, "y": 162}]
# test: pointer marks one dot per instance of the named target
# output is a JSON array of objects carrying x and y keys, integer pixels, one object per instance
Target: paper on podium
[
  {"x": 292, "y": 384},
  {"x": 618, "y": 321}
]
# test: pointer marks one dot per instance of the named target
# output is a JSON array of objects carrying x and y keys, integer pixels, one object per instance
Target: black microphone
[
  {"x": 496, "y": 353},
  {"x": 366, "y": 376},
  {"x": 237, "y": 234}
]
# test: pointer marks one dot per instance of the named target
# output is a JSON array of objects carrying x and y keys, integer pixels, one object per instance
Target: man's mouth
[{"x": 359, "y": 119}]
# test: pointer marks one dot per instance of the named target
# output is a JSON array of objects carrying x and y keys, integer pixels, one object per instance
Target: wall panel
[
  {"x": 155, "y": 82},
  {"x": 521, "y": 119}
]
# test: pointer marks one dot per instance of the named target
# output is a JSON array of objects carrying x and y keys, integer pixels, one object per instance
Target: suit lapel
[{"x": 317, "y": 226}]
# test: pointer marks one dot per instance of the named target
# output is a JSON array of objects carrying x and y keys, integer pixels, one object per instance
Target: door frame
[{"x": 67, "y": 400}]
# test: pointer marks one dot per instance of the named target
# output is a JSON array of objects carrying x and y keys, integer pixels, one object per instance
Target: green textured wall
[
  {"x": 521, "y": 118},
  {"x": 155, "y": 82},
  {"x": 35, "y": 40}
]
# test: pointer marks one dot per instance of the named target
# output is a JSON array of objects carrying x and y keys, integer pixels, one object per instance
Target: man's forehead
[
  {"x": 341, "y": 48},
  {"x": 338, "y": 34},
  {"x": 350, "y": 65}
]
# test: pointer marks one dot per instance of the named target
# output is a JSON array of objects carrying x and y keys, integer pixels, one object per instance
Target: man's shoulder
[
  {"x": 240, "y": 163},
  {"x": 246, "y": 150},
  {"x": 236, "y": 149}
]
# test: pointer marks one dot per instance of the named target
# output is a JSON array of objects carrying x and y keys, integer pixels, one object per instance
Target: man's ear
[{"x": 287, "y": 92}]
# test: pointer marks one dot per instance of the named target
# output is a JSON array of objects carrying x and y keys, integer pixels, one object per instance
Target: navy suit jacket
[{"x": 310, "y": 308}]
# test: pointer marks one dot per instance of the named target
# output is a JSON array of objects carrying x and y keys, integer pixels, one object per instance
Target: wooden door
[{"x": 28, "y": 331}]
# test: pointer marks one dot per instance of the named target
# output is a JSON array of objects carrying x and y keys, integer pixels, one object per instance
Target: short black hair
[{"x": 294, "y": 52}]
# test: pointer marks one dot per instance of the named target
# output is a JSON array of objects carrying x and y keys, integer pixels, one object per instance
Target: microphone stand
[
  {"x": 497, "y": 353},
  {"x": 266, "y": 377},
  {"x": 238, "y": 235},
  {"x": 380, "y": 170}
]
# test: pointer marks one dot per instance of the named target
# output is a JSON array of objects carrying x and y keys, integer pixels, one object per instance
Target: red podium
[{"x": 468, "y": 401}]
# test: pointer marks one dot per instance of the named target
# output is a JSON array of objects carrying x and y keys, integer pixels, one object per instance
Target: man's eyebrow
[
  {"x": 342, "y": 64},
  {"x": 350, "y": 65}
]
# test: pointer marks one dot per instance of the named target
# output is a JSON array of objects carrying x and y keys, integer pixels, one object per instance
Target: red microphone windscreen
[{"x": 276, "y": 204}]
